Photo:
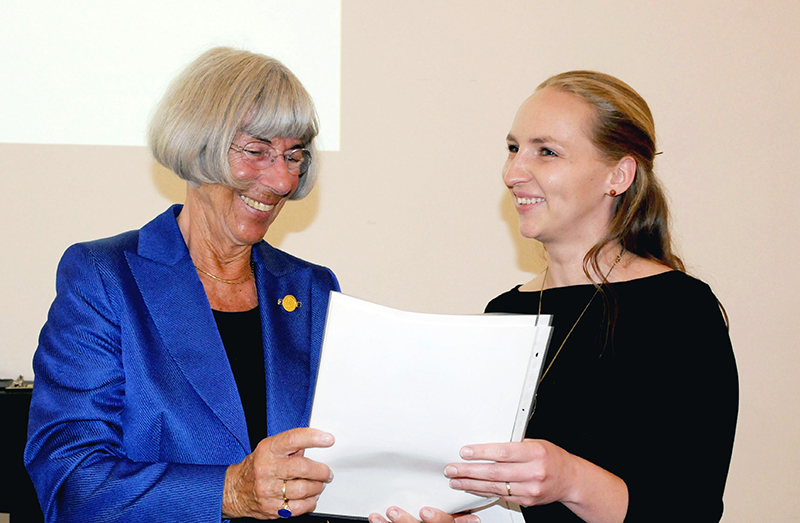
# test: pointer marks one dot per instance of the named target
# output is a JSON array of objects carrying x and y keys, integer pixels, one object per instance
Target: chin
[
  {"x": 252, "y": 234},
  {"x": 529, "y": 232}
]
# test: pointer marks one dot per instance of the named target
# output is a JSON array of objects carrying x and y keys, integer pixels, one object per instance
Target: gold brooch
[{"x": 289, "y": 303}]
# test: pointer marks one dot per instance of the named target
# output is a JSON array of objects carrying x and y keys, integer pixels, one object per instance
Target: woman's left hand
[
  {"x": 426, "y": 515},
  {"x": 530, "y": 472}
]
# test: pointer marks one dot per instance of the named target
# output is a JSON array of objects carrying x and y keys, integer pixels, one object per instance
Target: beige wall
[{"x": 411, "y": 212}]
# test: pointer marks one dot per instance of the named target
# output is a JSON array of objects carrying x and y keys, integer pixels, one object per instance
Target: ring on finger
[
  {"x": 284, "y": 511},
  {"x": 508, "y": 488}
]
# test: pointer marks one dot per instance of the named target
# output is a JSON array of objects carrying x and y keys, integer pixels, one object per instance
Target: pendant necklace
[{"x": 619, "y": 257}]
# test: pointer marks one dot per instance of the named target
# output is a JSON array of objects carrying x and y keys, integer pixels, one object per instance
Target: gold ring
[
  {"x": 284, "y": 511},
  {"x": 508, "y": 488}
]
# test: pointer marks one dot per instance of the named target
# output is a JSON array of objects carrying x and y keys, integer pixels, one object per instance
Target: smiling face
[
  {"x": 557, "y": 177},
  {"x": 237, "y": 218}
]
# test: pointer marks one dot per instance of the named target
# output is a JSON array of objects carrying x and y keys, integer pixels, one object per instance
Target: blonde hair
[
  {"x": 223, "y": 92},
  {"x": 623, "y": 126}
]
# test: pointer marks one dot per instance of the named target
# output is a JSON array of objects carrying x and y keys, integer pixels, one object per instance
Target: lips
[{"x": 256, "y": 204}]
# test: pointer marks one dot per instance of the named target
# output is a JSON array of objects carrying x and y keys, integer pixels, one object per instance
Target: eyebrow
[
  {"x": 301, "y": 145},
  {"x": 537, "y": 140}
]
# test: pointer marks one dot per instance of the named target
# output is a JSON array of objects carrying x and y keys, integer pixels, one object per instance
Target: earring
[{"x": 612, "y": 192}]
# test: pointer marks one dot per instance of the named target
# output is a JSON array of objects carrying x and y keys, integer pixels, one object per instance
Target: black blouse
[
  {"x": 241, "y": 335},
  {"x": 654, "y": 401}
]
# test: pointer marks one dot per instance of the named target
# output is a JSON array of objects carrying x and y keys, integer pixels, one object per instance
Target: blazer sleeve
[{"x": 75, "y": 451}]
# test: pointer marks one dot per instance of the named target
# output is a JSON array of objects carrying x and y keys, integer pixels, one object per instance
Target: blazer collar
[{"x": 161, "y": 239}]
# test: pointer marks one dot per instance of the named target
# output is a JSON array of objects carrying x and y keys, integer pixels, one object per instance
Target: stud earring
[{"x": 612, "y": 192}]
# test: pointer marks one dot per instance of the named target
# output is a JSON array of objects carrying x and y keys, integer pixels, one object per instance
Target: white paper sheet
[
  {"x": 402, "y": 392},
  {"x": 500, "y": 512}
]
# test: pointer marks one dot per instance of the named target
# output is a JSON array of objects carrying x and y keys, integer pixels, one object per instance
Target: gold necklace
[
  {"x": 229, "y": 282},
  {"x": 619, "y": 257}
]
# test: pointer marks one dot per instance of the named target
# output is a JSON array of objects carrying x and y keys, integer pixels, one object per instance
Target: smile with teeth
[
  {"x": 528, "y": 201},
  {"x": 255, "y": 204}
]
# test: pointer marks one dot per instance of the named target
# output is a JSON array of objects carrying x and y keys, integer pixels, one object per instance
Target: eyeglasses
[{"x": 262, "y": 155}]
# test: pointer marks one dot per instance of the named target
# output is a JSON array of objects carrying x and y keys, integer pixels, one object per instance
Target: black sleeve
[{"x": 682, "y": 409}]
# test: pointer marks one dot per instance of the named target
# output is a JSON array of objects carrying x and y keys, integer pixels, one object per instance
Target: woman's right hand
[
  {"x": 254, "y": 487},
  {"x": 536, "y": 472}
]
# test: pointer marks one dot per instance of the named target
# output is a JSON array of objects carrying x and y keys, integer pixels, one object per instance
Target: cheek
[{"x": 242, "y": 171}]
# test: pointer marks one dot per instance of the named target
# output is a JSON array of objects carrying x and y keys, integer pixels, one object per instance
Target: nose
[
  {"x": 515, "y": 171},
  {"x": 278, "y": 178}
]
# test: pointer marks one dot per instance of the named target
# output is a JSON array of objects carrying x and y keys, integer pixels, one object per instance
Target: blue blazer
[{"x": 135, "y": 413}]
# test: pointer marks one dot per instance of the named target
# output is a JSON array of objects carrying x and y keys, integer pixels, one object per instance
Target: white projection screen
[{"x": 89, "y": 72}]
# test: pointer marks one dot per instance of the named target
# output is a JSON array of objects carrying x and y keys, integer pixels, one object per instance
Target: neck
[
  {"x": 214, "y": 255},
  {"x": 565, "y": 265}
]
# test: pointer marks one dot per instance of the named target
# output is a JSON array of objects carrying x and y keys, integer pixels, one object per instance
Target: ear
[{"x": 622, "y": 176}]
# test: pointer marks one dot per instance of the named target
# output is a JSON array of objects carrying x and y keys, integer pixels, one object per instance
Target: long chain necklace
[
  {"x": 229, "y": 282},
  {"x": 619, "y": 257}
]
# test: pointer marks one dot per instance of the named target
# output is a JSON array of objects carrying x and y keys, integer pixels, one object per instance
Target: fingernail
[
  {"x": 426, "y": 513},
  {"x": 393, "y": 514},
  {"x": 327, "y": 439},
  {"x": 454, "y": 483},
  {"x": 330, "y": 478},
  {"x": 450, "y": 471},
  {"x": 466, "y": 452}
]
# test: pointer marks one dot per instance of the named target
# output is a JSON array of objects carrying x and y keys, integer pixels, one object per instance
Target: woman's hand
[
  {"x": 426, "y": 515},
  {"x": 536, "y": 472},
  {"x": 254, "y": 487}
]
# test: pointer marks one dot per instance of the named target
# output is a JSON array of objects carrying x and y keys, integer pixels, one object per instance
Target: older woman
[
  {"x": 178, "y": 361},
  {"x": 637, "y": 405}
]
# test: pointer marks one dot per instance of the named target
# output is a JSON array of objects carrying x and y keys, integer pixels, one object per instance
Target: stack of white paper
[{"x": 402, "y": 392}]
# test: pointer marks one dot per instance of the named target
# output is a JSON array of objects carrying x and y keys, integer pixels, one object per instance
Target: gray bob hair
[{"x": 223, "y": 92}]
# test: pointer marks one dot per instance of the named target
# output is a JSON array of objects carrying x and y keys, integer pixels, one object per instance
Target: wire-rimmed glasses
[{"x": 262, "y": 155}]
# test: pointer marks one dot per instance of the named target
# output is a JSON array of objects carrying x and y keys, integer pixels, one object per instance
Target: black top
[
  {"x": 241, "y": 335},
  {"x": 655, "y": 402}
]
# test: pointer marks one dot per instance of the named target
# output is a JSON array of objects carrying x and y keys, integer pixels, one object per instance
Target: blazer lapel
[
  {"x": 179, "y": 307},
  {"x": 290, "y": 358}
]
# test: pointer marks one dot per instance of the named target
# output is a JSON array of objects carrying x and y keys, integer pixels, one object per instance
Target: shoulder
[
  {"x": 668, "y": 296},
  {"x": 107, "y": 259},
  {"x": 513, "y": 301},
  {"x": 281, "y": 263},
  {"x": 672, "y": 310},
  {"x": 160, "y": 234},
  {"x": 89, "y": 280},
  {"x": 107, "y": 246},
  {"x": 103, "y": 254},
  {"x": 670, "y": 286}
]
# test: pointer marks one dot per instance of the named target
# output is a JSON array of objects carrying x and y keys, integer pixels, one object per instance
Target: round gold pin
[{"x": 289, "y": 303}]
